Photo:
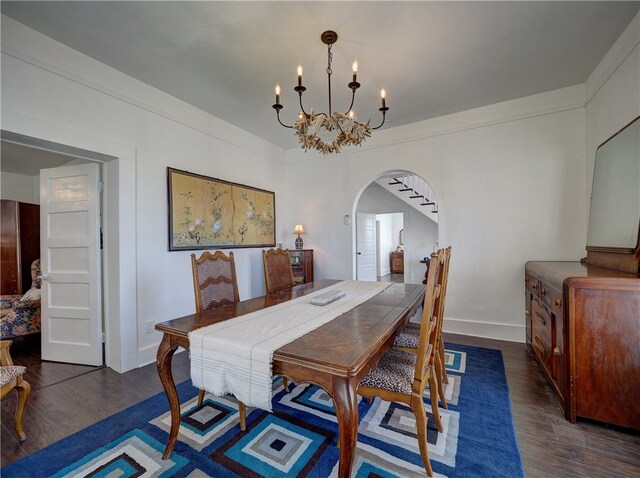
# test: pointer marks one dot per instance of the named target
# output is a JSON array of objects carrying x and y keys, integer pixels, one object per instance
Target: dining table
[{"x": 334, "y": 356}]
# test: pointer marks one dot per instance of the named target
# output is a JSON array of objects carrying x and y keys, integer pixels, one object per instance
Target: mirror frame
[{"x": 621, "y": 258}]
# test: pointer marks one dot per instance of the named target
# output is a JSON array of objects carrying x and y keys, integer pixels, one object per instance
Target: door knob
[
  {"x": 43, "y": 277},
  {"x": 359, "y": 253}
]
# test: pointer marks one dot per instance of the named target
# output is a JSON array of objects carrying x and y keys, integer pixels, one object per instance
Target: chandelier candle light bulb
[
  {"x": 383, "y": 95},
  {"x": 343, "y": 126}
]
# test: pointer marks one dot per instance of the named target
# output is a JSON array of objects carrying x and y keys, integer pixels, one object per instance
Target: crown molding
[
  {"x": 614, "y": 58},
  {"x": 187, "y": 115},
  {"x": 542, "y": 104}
]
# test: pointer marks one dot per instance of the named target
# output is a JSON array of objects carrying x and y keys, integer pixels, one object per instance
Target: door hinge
[
  {"x": 103, "y": 337},
  {"x": 100, "y": 186}
]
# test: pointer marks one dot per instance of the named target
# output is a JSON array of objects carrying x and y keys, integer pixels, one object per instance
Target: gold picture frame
[{"x": 210, "y": 213}]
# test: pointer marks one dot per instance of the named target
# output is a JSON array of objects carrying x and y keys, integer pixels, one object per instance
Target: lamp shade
[{"x": 298, "y": 229}]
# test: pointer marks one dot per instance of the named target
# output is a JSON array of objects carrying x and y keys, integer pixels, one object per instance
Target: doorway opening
[
  {"x": 32, "y": 155},
  {"x": 396, "y": 228},
  {"x": 21, "y": 171},
  {"x": 390, "y": 240}
]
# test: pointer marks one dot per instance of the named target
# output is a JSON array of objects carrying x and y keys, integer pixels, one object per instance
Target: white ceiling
[{"x": 433, "y": 58}]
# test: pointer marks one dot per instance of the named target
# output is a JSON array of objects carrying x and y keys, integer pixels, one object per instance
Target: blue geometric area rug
[{"x": 299, "y": 438}]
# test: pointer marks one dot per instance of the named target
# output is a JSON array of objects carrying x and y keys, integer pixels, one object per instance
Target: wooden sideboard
[
  {"x": 396, "y": 259},
  {"x": 583, "y": 327},
  {"x": 301, "y": 265}
]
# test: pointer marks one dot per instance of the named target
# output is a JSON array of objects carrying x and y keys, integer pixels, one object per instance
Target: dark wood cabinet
[
  {"x": 20, "y": 244},
  {"x": 302, "y": 265},
  {"x": 583, "y": 327},
  {"x": 396, "y": 260}
]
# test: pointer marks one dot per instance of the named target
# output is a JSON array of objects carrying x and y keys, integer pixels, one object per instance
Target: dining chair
[
  {"x": 407, "y": 339},
  {"x": 214, "y": 280},
  {"x": 278, "y": 274},
  {"x": 215, "y": 284},
  {"x": 10, "y": 378},
  {"x": 402, "y": 376}
]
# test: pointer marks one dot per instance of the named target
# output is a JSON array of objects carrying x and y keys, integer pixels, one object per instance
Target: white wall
[
  {"x": 49, "y": 90},
  {"x": 510, "y": 183},
  {"x": 20, "y": 187}
]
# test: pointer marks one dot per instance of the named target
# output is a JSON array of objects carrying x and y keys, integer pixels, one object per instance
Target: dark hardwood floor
[
  {"x": 25, "y": 351},
  {"x": 550, "y": 446}
]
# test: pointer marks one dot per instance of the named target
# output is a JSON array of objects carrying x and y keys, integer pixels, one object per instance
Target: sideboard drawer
[
  {"x": 529, "y": 281},
  {"x": 542, "y": 336},
  {"x": 551, "y": 297}
]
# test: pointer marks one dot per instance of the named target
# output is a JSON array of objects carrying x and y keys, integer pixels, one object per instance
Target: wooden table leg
[
  {"x": 163, "y": 361},
  {"x": 345, "y": 401}
]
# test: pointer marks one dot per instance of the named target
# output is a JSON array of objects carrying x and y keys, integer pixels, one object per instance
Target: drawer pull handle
[
  {"x": 556, "y": 351},
  {"x": 527, "y": 312},
  {"x": 558, "y": 303},
  {"x": 534, "y": 286},
  {"x": 543, "y": 291}
]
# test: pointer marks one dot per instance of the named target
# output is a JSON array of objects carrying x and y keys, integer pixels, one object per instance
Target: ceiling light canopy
[{"x": 329, "y": 132}]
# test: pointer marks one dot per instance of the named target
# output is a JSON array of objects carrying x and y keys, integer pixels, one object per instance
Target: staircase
[{"x": 413, "y": 190}]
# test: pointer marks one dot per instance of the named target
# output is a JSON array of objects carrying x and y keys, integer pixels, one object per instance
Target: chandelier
[{"x": 329, "y": 132}]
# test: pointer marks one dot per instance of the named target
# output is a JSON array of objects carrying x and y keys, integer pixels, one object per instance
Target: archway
[{"x": 387, "y": 197}]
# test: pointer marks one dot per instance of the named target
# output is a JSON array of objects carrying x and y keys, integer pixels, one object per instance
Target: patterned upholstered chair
[
  {"x": 20, "y": 314},
  {"x": 402, "y": 376},
  {"x": 10, "y": 378},
  {"x": 278, "y": 274},
  {"x": 407, "y": 339},
  {"x": 215, "y": 284}
]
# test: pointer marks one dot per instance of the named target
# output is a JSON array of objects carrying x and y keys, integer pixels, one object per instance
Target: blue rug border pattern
[{"x": 486, "y": 435}]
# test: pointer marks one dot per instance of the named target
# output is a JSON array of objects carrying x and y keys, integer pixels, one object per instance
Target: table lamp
[{"x": 298, "y": 230}]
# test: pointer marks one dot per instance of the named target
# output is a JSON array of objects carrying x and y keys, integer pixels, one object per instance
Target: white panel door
[
  {"x": 70, "y": 260},
  {"x": 366, "y": 246}
]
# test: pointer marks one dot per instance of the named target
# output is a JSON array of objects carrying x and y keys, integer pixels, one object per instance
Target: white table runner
[{"x": 235, "y": 356}]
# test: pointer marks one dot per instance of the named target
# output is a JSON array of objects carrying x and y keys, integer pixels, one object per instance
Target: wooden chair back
[
  {"x": 278, "y": 274},
  {"x": 442, "y": 280},
  {"x": 427, "y": 340},
  {"x": 214, "y": 280}
]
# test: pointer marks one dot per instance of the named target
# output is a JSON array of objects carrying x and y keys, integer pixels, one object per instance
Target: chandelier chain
[{"x": 329, "y": 71}]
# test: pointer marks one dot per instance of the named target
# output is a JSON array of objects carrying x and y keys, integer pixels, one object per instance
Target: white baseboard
[
  {"x": 147, "y": 354},
  {"x": 386, "y": 271},
  {"x": 488, "y": 330}
]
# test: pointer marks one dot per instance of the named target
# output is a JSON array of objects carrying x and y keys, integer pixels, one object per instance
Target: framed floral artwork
[{"x": 208, "y": 213}]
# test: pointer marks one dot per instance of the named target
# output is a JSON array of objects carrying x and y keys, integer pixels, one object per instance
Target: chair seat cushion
[
  {"x": 394, "y": 372},
  {"x": 7, "y": 374},
  {"x": 408, "y": 337}
]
